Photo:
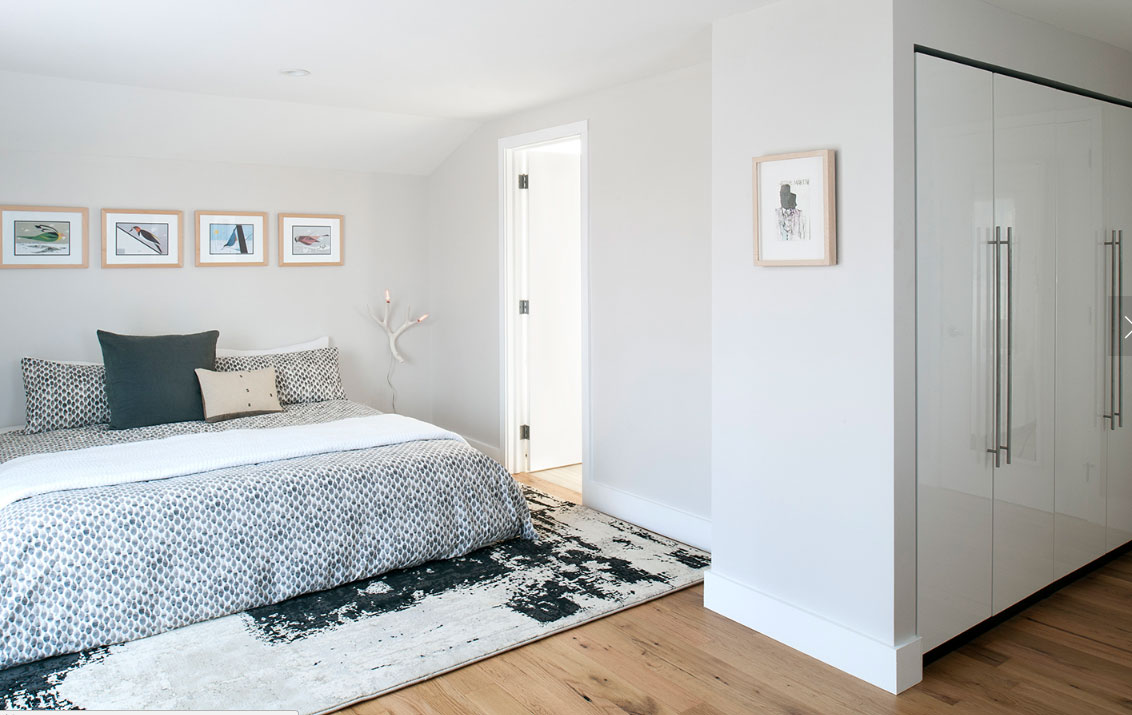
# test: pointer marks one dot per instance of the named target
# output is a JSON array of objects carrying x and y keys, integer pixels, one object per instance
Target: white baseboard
[
  {"x": 490, "y": 450},
  {"x": 674, "y": 523},
  {"x": 893, "y": 668}
]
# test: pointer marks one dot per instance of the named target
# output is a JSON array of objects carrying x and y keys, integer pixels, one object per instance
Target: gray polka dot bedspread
[{"x": 88, "y": 567}]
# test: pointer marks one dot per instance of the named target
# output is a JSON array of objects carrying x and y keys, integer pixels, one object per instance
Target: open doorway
[{"x": 543, "y": 217}]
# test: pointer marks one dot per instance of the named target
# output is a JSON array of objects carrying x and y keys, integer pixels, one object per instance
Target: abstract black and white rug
[{"x": 325, "y": 650}]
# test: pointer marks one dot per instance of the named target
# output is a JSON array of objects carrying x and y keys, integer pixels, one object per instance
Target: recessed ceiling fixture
[{"x": 295, "y": 72}]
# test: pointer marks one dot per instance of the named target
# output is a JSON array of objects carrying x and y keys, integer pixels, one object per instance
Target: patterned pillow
[
  {"x": 308, "y": 376},
  {"x": 63, "y": 395}
]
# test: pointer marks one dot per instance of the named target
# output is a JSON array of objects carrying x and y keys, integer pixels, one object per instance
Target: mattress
[{"x": 86, "y": 567}]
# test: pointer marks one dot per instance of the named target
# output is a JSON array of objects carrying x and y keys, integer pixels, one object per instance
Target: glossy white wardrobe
[{"x": 1024, "y": 473}]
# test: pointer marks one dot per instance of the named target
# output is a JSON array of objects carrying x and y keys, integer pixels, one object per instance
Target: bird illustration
[
  {"x": 148, "y": 237},
  {"x": 309, "y": 240},
  {"x": 47, "y": 234},
  {"x": 231, "y": 240}
]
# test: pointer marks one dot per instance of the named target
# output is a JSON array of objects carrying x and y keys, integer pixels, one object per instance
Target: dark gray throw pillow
[{"x": 151, "y": 380}]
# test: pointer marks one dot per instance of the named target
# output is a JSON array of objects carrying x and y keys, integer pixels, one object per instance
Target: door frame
[{"x": 510, "y": 362}]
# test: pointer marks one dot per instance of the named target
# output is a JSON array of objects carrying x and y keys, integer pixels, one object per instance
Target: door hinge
[
  {"x": 524, "y": 307},
  {"x": 524, "y": 181},
  {"x": 524, "y": 431}
]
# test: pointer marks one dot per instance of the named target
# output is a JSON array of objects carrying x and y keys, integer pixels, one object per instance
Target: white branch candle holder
[{"x": 392, "y": 333}]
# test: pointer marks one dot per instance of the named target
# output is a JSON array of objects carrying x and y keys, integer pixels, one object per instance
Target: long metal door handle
[
  {"x": 1009, "y": 338},
  {"x": 1113, "y": 336},
  {"x": 997, "y": 448},
  {"x": 1117, "y": 315}
]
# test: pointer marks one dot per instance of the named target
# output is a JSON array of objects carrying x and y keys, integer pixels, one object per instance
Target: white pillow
[{"x": 316, "y": 344}]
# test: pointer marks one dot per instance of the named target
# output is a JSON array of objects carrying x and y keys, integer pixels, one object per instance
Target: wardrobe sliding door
[
  {"x": 955, "y": 220},
  {"x": 1024, "y": 464},
  {"x": 1083, "y": 327},
  {"x": 1117, "y": 122},
  {"x": 1025, "y": 191}
]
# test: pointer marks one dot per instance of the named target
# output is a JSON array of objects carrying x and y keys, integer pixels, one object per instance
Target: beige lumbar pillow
[{"x": 228, "y": 395}]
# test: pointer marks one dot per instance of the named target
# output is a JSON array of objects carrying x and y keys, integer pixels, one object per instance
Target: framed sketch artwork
[
  {"x": 140, "y": 238},
  {"x": 310, "y": 239},
  {"x": 43, "y": 237},
  {"x": 231, "y": 238},
  {"x": 795, "y": 209}
]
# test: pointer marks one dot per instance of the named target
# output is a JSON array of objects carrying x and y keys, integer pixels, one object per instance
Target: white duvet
[{"x": 195, "y": 453}]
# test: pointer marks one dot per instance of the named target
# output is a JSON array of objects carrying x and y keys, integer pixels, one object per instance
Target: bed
[{"x": 85, "y": 564}]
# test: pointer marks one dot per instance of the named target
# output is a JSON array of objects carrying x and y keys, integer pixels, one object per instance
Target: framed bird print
[
  {"x": 43, "y": 237},
  {"x": 311, "y": 239},
  {"x": 140, "y": 238},
  {"x": 231, "y": 238}
]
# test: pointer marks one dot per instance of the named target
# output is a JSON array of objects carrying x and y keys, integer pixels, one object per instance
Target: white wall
[
  {"x": 802, "y": 358},
  {"x": 650, "y": 304},
  {"x": 54, "y": 313}
]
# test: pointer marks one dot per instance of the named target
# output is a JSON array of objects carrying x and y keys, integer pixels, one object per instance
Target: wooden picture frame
[
  {"x": 795, "y": 198},
  {"x": 231, "y": 238},
  {"x": 44, "y": 237},
  {"x": 142, "y": 238},
  {"x": 312, "y": 239}
]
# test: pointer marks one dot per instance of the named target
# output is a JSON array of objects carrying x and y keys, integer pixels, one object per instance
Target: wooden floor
[
  {"x": 1071, "y": 653},
  {"x": 569, "y": 477}
]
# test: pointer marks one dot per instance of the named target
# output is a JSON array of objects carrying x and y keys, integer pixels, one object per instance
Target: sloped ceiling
[{"x": 395, "y": 85}]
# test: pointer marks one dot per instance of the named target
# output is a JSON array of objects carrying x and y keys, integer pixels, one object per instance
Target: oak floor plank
[
  {"x": 642, "y": 657},
  {"x": 1078, "y": 642},
  {"x": 703, "y": 709},
  {"x": 608, "y": 690},
  {"x": 552, "y": 488},
  {"x": 529, "y": 685},
  {"x": 1041, "y": 657},
  {"x": 1090, "y": 619},
  {"x": 493, "y": 698},
  {"x": 612, "y": 655},
  {"x": 433, "y": 697},
  {"x": 569, "y": 476},
  {"x": 1009, "y": 688},
  {"x": 1121, "y": 567}
]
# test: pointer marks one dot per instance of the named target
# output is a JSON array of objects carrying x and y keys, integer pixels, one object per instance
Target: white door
[
  {"x": 1081, "y": 319},
  {"x": 955, "y": 219},
  {"x": 554, "y": 290},
  {"x": 1118, "y": 218},
  {"x": 1025, "y": 218}
]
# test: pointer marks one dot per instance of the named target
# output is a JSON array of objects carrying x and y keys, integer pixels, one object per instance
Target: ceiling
[
  {"x": 395, "y": 85},
  {"x": 1105, "y": 20},
  {"x": 463, "y": 59}
]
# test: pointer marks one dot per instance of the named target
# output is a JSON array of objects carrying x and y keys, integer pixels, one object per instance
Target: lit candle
[
  {"x": 421, "y": 319},
  {"x": 386, "y": 295}
]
